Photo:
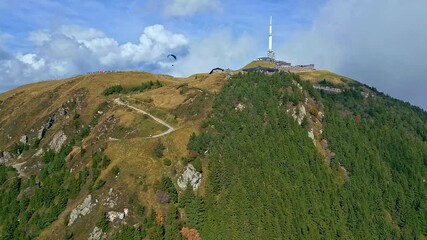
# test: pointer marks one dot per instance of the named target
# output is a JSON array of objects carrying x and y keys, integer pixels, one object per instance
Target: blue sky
[{"x": 380, "y": 43}]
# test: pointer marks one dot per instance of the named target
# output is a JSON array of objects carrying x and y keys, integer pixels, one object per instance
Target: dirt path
[{"x": 170, "y": 128}]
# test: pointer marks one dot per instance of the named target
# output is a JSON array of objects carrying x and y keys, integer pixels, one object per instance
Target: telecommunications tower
[{"x": 270, "y": 52}]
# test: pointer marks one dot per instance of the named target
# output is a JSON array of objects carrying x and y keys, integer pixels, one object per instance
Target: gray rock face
[
  {"x": 96, "y": 234},
  {"x": 41, "y": 133},
  {"x": 239, "y": 107},
  {"x": 111, "y": 200},
  {"x": 62, "y": 112},
  {"x": 190, "y": 175},
  {"x": 38, "y": 153},
  {"x": 45, "y": 127},
  {"x": 49, "y": 122},
  {"x": 81, "y": 210},
  {"x": 58, "y": 140},
  {"x": 301, "y": 114},
  {"x": 311, "y": 135},
  {"x": 113, "y": 215},
  {"x": 24, "y": 139},
  {"x": 5, "y": 157}
]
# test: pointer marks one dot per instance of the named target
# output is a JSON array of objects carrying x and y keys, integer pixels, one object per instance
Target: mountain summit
[{"x": 260, "y": 154}]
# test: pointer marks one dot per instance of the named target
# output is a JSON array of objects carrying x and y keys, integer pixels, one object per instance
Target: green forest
[{"x": 267, "y": 181}]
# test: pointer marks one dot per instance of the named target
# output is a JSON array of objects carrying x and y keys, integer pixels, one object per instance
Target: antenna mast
[{"x": 270, "y": 53}]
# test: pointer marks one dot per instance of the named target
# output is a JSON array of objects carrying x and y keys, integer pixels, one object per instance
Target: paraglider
[{"x": 172, "y": 57}]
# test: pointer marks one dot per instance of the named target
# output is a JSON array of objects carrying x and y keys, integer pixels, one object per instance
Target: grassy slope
[
  {"x": 140, "y": 169},
  {"x": 259, "y": 63},
  {"x": 319, "y": 75}
]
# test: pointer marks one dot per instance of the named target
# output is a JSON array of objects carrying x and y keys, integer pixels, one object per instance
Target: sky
[{"x": 381, "y": 43}]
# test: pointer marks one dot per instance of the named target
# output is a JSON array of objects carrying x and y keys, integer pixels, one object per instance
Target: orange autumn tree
[{"x": 190, "y": 234}]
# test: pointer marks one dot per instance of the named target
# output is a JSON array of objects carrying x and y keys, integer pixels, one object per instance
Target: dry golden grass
[
  {"x": 134, "y": 156},
  {"x": 211, "y": 83},
  {"x": 259, "y": 63},
  {"x": 135, "y": 159},
  {"x": 165, "y": 97},
  {"x": 126, "y": 118},
  {"x": 319, "y": 75}
]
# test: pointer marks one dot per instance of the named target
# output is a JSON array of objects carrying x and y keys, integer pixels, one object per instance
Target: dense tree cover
[
  {"x": 166, "y": 185},
  {"x": 41, "y": 200},
  {"x": 267, "y": 181},
  {"x": 128, "y": 233},
  {"x": 383, "y": 144},
  {"x": 139, "y": 88},
  {"x": 28, "y": 206}
]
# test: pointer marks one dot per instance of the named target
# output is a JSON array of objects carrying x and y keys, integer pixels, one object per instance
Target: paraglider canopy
[{"x": 172, "y": 55}]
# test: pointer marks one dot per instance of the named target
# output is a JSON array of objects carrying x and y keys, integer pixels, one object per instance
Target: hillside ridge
[{"x": 124, "y": 154}]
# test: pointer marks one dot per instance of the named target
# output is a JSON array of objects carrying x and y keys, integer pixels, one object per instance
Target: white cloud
[
  {"x": 219, "y": 49},
  {"x": 80, "y": 33},
  {"x": 72, "y": 50},
  {"x": 381, "y": 43},
  {"x": 31, "y": 60},
  {"x": 181, "y": 8}
]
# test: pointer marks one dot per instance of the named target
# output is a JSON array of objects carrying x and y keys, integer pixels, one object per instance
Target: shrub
[
  {"x": 182, "y": 85},
  {"x": 102, "y": 222},
  {"x": 162, "y": 197},
  {"x": 167, "y": 162},
  {"x": 105, "y": 162},
  {"x": 19, "y": 148},
  {"x": 115, "y": 170},
  {"x": 198, "y": 165},
  {"x": 140, "y": 210},
  {"x": 184, "y": 161},
  {"x": 313, "y": 111},
  {"x": 99, "y": 184},
  {"x": 113, "y": 89},
  {"x": 158, "y": 149}
]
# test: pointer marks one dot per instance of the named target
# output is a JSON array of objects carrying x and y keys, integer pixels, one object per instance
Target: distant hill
[{"x": 136, "y": 155}]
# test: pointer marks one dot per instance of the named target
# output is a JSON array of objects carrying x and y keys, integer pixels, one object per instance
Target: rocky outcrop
[
  {"x": 38, "y": 153},
  {"x": 23, "y": 139},
  {"x": 239, "y": 107},
  {"x": 106, "y": 126},
  {"x": 58, "y": 140},
  {"x": 81, "y": 210},
  {"x": 113, "y": 215},
  {"x": 60, "y": 113},
  {"x": 301, "y": 114},
  {"x": 111, "y": 200},
  {"x": 45, "y": 127},
  {"x": 41, "y": 132},
  {"x": 311, "y": 136},
  {"x": 96, "y": 234},
  {"x": 189, "y": 176},
  {"x": 5, "y": 157}
]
